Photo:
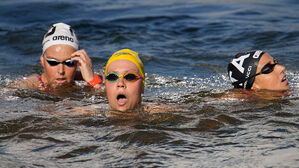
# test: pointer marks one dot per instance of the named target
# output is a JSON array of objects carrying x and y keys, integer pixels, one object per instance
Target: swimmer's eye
[
  {"x": 111, "y": 77},
  {"x": 268, "y": 68},
  {"x": 130, "y": 77},
  {"x": 54, "y": 62},
  {"x": 69, "y": 63}
]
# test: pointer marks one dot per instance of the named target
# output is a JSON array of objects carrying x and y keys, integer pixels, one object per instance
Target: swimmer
[
  {"x": 257, "y": 70},
  {"x": 124, "y": 80},
  {"x": 124, "y": 86},
  {"x": 60, "y": 58}
]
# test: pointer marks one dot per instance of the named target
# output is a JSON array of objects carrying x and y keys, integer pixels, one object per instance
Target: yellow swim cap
[{"x": 127, "y": 54}]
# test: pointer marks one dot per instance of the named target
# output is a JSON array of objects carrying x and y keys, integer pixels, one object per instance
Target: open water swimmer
[{"x": 60, "y": 58}]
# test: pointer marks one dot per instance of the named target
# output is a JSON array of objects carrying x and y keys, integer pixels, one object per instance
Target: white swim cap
[{"x": 60, "y": 33}]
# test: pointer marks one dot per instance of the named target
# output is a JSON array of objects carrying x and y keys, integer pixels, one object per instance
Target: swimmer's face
[
  {"x": 61, "y": 74},
  {"x": 122, "y": 94},
  {"x": 276, "y": 80}
]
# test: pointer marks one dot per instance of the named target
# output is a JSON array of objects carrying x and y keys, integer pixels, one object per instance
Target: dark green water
[{"x": 185, "y": 47}]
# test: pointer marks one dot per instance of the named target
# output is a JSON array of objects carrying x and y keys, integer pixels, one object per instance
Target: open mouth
[
  {"x": 121, "y": 99},
  {"x": 284, "y": 79}
]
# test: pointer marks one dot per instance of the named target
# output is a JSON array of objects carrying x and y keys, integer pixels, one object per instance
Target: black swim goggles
[
  {"x": 54, "y": 62},
  {"x": 130, "y": 77},
  {"x": 268, "y": 68}
]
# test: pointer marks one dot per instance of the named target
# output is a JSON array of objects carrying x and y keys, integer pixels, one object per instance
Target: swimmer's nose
[
  {"x": 61, "y": 69},
  {"x": 121, "y": 83}
]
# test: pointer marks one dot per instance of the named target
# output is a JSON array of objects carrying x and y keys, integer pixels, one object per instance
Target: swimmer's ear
[{"x": 42, "y": 60}]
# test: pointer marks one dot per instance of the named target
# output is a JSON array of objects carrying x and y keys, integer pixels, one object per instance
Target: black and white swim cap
[
  {"x": 243, "y": 67},
  {"x": 60, "y": 33}
]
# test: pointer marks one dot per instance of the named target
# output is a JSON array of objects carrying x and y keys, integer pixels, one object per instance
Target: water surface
[{"x": 185, "y": 47}]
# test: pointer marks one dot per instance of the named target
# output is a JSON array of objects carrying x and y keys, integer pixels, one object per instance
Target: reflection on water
[{"x": 185, "y": 46}]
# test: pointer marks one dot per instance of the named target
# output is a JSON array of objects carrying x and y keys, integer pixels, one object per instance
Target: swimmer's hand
[{"x": 85, "y": 66}]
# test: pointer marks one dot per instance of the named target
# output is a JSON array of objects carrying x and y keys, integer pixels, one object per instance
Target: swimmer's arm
[
  {"x": 78, "y": 77},
  {"x": 85, "y": 66}
]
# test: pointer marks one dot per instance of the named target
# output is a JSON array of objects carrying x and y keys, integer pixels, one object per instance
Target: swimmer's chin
[{"x": 124, "y": 108}]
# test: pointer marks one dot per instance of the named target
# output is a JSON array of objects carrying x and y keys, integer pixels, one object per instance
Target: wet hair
[{"x": 242, "y": 68}]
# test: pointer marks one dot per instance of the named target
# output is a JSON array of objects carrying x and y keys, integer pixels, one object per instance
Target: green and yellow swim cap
[{"x": 127, "y": 54}]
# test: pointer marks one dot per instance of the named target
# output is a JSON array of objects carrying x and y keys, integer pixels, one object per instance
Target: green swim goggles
[{"x": 129, "y": 76}]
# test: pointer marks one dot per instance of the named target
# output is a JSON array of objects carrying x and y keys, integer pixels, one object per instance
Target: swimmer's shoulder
[
  {"x": 31, "y": 81},
  {"x": 79, "y": 78},
  {"x": 249, "y": 94}
]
